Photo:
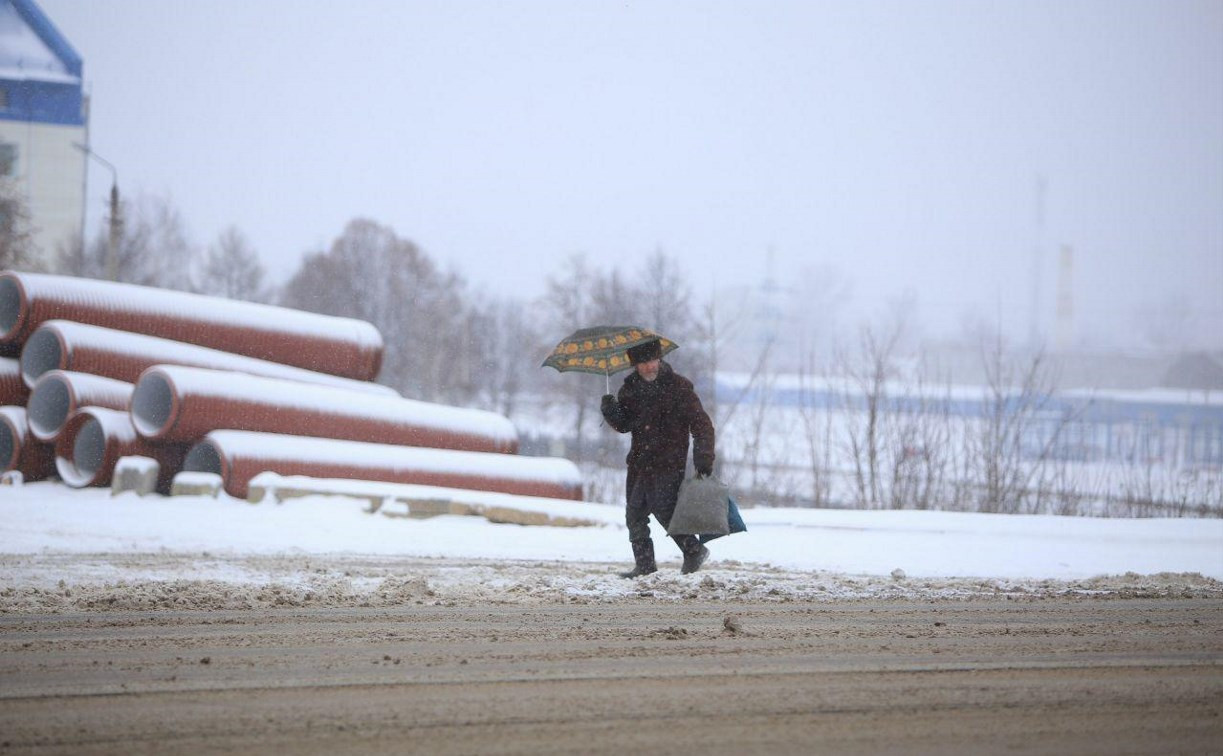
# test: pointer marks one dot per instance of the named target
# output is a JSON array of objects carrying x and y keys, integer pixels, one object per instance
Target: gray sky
[{"x": 900, "y": 143}]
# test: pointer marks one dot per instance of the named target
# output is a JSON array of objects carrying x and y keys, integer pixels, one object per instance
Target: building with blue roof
[{"x": 43, "y": 115}]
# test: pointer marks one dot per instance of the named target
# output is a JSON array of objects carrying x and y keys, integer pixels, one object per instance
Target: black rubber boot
[
  {"x": 695, "y": 554},
  {"x": 643, "y": 555}
]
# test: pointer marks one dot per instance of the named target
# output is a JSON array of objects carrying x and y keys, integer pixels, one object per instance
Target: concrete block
[
  {"x": 262, "y": 487},
  {"x": 423, "y": 508},
  {"x": 286, "y": 491},
  {"x": 197, "y": 484},
  {"x": 511, "y": 516},
  {"x": 138, "y": 474}
]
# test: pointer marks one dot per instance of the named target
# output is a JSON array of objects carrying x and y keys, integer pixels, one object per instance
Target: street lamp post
[{"x": 116, "y": 216}]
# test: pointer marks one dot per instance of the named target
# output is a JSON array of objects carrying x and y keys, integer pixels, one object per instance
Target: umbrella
[{"x": 602, "y": 349}]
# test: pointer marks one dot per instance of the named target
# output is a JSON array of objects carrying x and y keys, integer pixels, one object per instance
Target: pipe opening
[
  {"x": 152, "y": 404},
  {"x": 47, "y": 409},
  {"x": 203, "y": 457},
  {"x": 42, "y": 352},
  {"x": 10, "y": 444},
  {"x": 10, "y": 305},
  {"x": 89, "y": 448}
]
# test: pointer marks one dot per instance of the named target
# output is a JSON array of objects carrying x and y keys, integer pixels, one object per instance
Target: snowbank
[{"x": 47, "y": 517}]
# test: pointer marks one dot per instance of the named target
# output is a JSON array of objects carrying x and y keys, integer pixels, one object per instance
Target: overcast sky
[{"x": 899, "y": 143}]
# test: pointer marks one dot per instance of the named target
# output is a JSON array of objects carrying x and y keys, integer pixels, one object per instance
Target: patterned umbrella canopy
[{"x": 602, "y": 349}]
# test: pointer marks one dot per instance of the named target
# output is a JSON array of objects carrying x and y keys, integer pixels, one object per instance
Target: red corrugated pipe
[
  {"x": 238, "y": 456},
  {"x": 13, "y": 391},
  {"x": 66, "y": 345},
  {"x": 176, "y": 403},
  {"x": 340, "y": 346},
  {"x": 58, "y": 395},
  {"x": 95, "y": 438},
  {"x": 19, "y": 451}
]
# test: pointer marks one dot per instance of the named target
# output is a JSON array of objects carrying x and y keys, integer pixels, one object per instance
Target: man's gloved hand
[{"x": 609, "y": 404}]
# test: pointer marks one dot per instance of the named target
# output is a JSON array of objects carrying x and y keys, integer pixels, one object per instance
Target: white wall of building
[{"x": 51, "y": 174}]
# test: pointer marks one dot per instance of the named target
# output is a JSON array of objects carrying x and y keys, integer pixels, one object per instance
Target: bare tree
[
  {"x": 17, "y": 249},
  {"x": 569, "y": 292},
  {"x": 153, "y": 248},
  {"x": 760, "y": 410},
  {"x": 665, "y": 296},
  {"x": 711, "y": 335},
  {"x": 508, "y": 346},
  {"x": 372, "y": 274},
  {"x": 231, "y": 268},
  {"x": 866, "y": 375},
  {"x": 75, "y": 257},
  {"x": 867, "y": 399},
  {"x": 1017, "y": 433},
  {"x": 612, "y": 301},
  {"x": 570, "y": 303},
  {"x": 816, "y": 417},
  {"x": 168, "y": 256},
  {"x": 918, "y": 430}
]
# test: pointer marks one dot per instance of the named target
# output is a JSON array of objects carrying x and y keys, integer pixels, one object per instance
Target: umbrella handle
[{"x": 607, "y": 380}]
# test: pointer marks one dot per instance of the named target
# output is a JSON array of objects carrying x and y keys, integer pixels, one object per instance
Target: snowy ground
[{"x": 65, "y": 550}]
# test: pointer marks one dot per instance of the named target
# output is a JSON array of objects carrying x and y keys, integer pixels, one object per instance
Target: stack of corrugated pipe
[{"x": 204, "y": 384}]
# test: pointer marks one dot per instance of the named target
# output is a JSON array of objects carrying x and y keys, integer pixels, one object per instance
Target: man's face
[{"x": 648, "y": 370}]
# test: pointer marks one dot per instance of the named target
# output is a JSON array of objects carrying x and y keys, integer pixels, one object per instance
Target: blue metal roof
[
  {"x": 46, "y": 31},
  {"x": 56, "y": 99}
]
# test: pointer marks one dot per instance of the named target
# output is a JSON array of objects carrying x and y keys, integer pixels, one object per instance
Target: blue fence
[{"x": 1154, "y": 427}]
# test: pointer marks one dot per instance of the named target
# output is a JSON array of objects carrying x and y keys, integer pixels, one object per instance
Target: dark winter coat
[{"x": 661, "y": 415}]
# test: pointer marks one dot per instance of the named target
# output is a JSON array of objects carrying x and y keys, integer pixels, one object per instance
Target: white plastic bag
[{"x": 701, "y": 509}]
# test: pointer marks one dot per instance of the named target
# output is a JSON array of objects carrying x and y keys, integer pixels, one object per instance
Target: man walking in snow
[{"x": 661, "y": 409}]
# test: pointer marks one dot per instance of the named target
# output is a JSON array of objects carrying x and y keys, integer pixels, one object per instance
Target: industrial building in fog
[{"x": 43, "y": 126}]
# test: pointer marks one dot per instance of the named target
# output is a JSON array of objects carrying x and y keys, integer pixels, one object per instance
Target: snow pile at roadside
[
  {"x": 48, "y": 518},
  {"x": 168, "y": 582}
]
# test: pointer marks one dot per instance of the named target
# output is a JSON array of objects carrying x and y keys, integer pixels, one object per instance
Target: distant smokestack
[
  {"x": 1065, "y": 299},
  {"x": 1034, "y": 308}
]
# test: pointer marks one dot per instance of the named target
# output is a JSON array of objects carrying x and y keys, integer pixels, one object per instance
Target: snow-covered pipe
[
  {"x": 94, "y": 439},
  {"x": 58, "y": 394},
  {"x": 19, "y": 451},
  {"x": 238, "y": 456},
  {"x": 13, "y": 391},
  {"x": 176, "y": 403},
  {"x": 324, "y": 343},
  {"x": 66, "y": 345}
]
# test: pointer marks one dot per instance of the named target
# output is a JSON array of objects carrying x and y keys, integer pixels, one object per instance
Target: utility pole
[{"x": 115, "y": 235}]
